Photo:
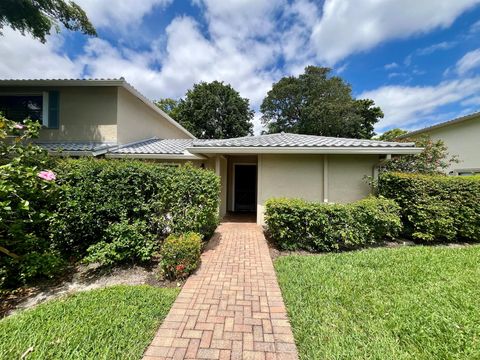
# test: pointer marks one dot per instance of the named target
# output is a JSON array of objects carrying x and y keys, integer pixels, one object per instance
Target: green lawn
[
  {"x": 406, "y": 303},
  {"x": 113, "y": 323}
]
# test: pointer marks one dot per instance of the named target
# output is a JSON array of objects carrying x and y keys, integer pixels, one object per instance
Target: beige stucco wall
[
  {"x": 296, "y": 176},
  {"x": 302, "y": 176},
  {"x": 85, "y": 113},
  {"x": 346, "y": 177},
  {"x": 462, "y": 139},
  {"x": 103, "y": 113},
  {"x": 138, "y": 121}
]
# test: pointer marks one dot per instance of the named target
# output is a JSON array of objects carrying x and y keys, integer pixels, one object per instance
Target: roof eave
[
  {"x": 62, "y": 82},
  {"x": 303, "y": 150},
  {"x": 75, "y": 153},
  {"x": 155, "y": 156}
]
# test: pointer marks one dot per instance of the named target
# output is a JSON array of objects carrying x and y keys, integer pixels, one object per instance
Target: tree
[
  {"x": 392, "y": 134},
  {"x": 37, "y": 17},
  {"x": 318, "y": 104},
  {"x": 169, "y": 106},
  {"x": 434, "y": 159},
  {"x": 215, "y": 111}
]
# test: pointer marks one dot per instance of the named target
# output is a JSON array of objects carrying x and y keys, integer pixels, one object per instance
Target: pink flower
[
  {"x": 48, "y": 175},
  {"x": 19, "y": 126}
]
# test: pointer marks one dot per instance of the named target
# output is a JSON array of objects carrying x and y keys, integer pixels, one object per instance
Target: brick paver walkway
[{"x": 231, "y": 308}]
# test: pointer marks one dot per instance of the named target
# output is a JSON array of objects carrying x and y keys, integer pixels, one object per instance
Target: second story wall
[
  {"x": 86, "y": 113},
  {"x": 462, "y": 140},
  {"x": 136, "y": 121}
]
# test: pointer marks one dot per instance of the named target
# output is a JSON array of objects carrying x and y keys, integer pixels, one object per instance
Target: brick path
[{"x": 231, "y": 308}]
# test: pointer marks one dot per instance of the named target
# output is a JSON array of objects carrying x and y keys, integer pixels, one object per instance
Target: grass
[
  {"x": 406, "y": 303},
  {"x": 117, "y": 322}
]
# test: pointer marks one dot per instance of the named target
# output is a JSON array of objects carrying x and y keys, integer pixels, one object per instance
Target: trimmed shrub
[
  {"x": 99, "y": 193},
  {"x": 180, "y": 255},
  {"x": 435, "y": 207},
  {"x": 124, "y": 242},
  {"x": 297, "y": 224}
]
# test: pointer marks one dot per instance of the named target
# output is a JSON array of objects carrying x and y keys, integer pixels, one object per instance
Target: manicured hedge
[
  {"x": 435, "y": 207},
  {"x": 297, "y": 224},
  {"x": 143, "y": 197}
]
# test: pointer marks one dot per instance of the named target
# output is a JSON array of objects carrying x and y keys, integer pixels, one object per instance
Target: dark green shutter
[{"x": 53, "y": 110}]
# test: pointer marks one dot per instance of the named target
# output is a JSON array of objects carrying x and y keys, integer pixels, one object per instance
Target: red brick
[{"x": 231, "y": 308}]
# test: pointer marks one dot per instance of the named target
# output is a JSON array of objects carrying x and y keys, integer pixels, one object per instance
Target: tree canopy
[
  {"x": 434, "y": 159},
  {"x": 392, "y": 134},
  {"x": 316, "y": 103},
  {"x": 169, "y": 106},
  {"x": 211, "y": 111},
  {"x": 37, "y": 17}
]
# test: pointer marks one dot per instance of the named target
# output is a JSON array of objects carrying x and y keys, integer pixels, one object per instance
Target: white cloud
[
  {"x": 475, "y": 27},
  {"x": 474, "y": 100},
  {"x": 341, "y": 69},
  {"x": 408, "y": 106},
  {"x": 24, "y": 57},
  {"x": 469, "y": 61},
  {"x": 118, "y": 14},
  {"x": 444, "y": 45},
  {"x": 390, "y": 66},
  {"x": 240, "y": 18},
  {"x": 398, "y": 74},
  {"x": 189, "y": 58},
  {"x": 349, "y": 26}
]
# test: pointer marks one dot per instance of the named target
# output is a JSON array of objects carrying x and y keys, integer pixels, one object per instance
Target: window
[{"x": 42, "y": 107}]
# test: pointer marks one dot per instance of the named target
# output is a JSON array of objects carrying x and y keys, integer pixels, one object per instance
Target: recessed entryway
[{"x": 244, "y": 187}]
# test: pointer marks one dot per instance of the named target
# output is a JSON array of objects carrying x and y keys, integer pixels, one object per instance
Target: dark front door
[{"x": 245, "y": 187}]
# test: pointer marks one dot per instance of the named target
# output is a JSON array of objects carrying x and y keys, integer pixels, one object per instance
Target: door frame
[{"x": 234, "y": 164}]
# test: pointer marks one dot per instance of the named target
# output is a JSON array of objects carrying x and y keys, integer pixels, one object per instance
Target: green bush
[
  {"x": 124, "y": 242},
  {"x": 435, "y": 208},
  {"x": 180, "y": 255},
  {"x": 99, "y": 193},
  {"x": 28, "y": 197},
  {"x": 297, "y": 224}
]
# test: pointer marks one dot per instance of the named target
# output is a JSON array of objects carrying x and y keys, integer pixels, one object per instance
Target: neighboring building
[
  {"x": 462, "y": 138},
  {"x": 109, "y": 118}
]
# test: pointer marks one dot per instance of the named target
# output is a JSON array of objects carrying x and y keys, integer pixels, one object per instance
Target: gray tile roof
[
  {"x": 76, "y": 146},
  {"x": 155, "y": 146},
  {"x": 296, "y": 140},
  {"x": 181, "y": 147}
]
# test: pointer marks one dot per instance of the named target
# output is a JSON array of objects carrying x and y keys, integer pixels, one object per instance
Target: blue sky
[{"x": 419, "y": 60}]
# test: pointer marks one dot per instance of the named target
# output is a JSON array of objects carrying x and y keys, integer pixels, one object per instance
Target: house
[
  {"x": 110, "y": 118},
  {"x": 462, "y": 138}
]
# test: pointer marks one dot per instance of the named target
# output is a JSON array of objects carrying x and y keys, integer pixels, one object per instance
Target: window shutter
[{"x": 53, "y": 110}]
